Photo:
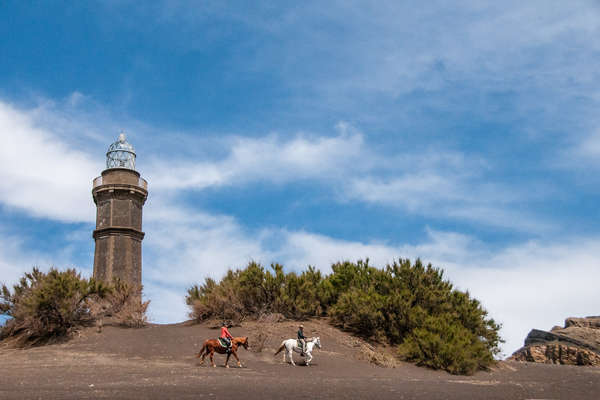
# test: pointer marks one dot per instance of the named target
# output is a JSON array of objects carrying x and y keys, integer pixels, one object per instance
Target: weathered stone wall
[
  {"x": 119, "y": 200},
  {"x": 118, "y": 176}
]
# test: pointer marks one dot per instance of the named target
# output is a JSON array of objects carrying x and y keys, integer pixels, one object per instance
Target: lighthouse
[{"x": 119, "y": 194}]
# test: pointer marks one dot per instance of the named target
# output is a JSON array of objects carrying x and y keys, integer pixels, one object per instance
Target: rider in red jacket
[{"x": 225, "y": 335}]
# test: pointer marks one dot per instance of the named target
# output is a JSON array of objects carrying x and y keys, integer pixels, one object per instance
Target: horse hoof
[
  {"x": 240, "y": 365},
  {"x": 227, "y": 366},
  {"x": 214, "y": 366}
]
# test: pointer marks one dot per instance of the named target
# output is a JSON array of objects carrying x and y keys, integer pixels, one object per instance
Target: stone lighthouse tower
[{"x": 119, "y": 194}]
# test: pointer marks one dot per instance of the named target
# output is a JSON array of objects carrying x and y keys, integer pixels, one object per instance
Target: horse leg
[
  {"x": 212, "y": 361},
  {"x": 308, "y": 359},
  {"x": 227, "y": 360},
  {"x": 291, "y": 354},
  {"x": 239, "y": 364},
  {"x": 203, "y": 354}
]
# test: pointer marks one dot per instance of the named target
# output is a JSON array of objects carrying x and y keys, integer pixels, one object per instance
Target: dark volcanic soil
[{"x": 158, "y": 362}]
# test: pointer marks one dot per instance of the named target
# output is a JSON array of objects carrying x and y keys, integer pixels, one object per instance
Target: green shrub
[
  {"x": 404, "y": 304},
  {"x": 444, "y": 343},
  {"x": 360, "y": 311},
  {"x": 253, "y": 292},
  {"x": 47, "y": 306}
]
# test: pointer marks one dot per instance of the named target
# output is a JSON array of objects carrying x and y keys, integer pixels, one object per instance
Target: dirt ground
[{"x": 158, "y": 362}]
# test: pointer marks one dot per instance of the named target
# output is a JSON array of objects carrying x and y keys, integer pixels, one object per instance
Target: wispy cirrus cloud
[
  {"x": 454, "y": 194},
  {"x": 275, "y": 158},
  {"x": 436, "y": 183}
]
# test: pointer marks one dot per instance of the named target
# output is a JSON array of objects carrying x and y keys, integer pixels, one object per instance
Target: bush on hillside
[
  {"x": 254, "y": 292},
  {"x": 443, "y": 343},
  {"x": 47, "y": 306},
  {"x": 404, "y": 304},
  {"x": 122, "y": 306}
]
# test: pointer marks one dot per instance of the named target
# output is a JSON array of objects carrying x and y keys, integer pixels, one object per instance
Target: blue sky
[{"x": 465, "y": 134}]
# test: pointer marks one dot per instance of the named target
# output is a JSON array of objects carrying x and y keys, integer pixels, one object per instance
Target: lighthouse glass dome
[{"x": 120, "y": 154}]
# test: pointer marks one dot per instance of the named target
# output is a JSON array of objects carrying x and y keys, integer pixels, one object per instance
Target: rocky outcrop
[
  {"x": 577, "y": 343},
  {"x": 588, "y": 322},
  {"x": 556, "y": 353}
]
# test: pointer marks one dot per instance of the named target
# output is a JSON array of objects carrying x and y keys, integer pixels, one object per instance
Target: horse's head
[
  {"x": 244, "y": 342},
  {"x": 317, "y": 341}
]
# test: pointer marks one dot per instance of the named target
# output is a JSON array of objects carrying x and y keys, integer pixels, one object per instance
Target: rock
[
  {"x": 578, "y": 343},
  {"x": 587, "y": 322},
  {"x": 556, "y": 353}
]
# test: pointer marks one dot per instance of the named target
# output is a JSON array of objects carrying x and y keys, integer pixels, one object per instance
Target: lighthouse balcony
[{"x": 120, "y": 176}]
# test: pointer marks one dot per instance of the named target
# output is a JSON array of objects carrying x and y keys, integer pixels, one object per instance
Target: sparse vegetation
[
  {"x": 370, "y": 354},
  {"x": 49, "y": 306},
  {"x": 121, "y": 306},
  {"x": 404, "y": 304}
]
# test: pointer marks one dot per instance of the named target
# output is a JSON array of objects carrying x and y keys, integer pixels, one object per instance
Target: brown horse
[{"x": 212, "y": 345}]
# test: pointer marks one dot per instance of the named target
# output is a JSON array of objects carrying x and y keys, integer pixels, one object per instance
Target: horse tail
[
  {"x": 280, "y": 348},
  {"x": 201, "y": 350}
]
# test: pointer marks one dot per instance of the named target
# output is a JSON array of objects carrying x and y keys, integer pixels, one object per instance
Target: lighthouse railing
[
  {"x": 141, "y": 183},
  {"x": 97, "y": 182}
]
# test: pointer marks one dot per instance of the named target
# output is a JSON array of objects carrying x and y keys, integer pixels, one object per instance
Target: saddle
[{"x": 223, "y": 343}]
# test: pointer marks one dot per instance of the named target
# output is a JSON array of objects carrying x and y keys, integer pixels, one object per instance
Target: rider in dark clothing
[{"x": 301, "y": 338}]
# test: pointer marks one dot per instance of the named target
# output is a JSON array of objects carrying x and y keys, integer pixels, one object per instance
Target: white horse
[{"x": 291, "y": 345}]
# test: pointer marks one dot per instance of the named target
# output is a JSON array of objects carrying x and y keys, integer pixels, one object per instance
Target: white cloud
[
  {"x": 451, "y": 192},
  {"x": 584, "y": 153},
  {"x": 40, "y": 173},
  {"x": 534, "y": 285},
  {"x": 434, "y": 183},
  {"x": 14, "y": 260},
  {"x": 415, "y": 191},
  {"x": 189, "y": 245},
  {"x": 301, "y": 249},
  {"x": 272, "y": 158},
  {"x": 529, "y": 64},
  {"x": 396, "y": 48},
  {"x": 50, "y": 174}
]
